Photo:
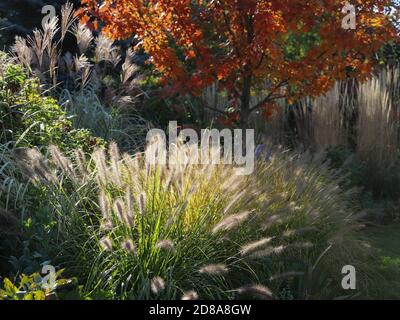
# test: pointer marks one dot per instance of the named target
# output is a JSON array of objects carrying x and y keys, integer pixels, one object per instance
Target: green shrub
[
  {"x": 31, "y": 119},
  {"x": 27, "y": 119}
]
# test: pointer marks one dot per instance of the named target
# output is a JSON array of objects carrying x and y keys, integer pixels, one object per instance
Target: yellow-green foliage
[{"x": 30, "y": 287}]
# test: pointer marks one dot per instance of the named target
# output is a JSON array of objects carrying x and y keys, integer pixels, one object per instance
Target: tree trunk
[
  {"x": 247, "y": 80},
  {"x": 245, "y": 103}
]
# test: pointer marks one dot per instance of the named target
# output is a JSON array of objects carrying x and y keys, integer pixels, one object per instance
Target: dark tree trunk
[
  {"x": 245, "y": 103},
  {"x": 247, "y": 79}
]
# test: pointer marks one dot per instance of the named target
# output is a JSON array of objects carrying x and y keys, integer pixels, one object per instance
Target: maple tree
[{"x": 272, "y": 49}]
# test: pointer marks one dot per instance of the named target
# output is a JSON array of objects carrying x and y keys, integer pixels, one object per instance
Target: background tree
[{"x": 275, "y": 49}]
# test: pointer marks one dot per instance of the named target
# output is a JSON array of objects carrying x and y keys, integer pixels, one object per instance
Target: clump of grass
[
  {"x": 361, "y": 119},
  {"x": 378, "y": 131},
  {"x": 123, "y": 226}
]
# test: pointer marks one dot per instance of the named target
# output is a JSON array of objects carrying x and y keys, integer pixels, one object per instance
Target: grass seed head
[
  {"x": 106, "y": 244},
  {"x": 257, "y": 291},
  {"x": 157, "y": 285},
  {"x": 214, "y": 269},
  {"x": 190, "y": 295}
]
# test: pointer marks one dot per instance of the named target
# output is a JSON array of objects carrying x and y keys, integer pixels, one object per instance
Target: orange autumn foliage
[{"x": 243, "y": 43}]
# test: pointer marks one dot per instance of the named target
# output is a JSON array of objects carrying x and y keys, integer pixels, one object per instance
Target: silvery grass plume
[
  {"x": 269, "y": 251},
  {"x": 68, "y": 62},
  {"x": 190, "y": 295},
  {"x": 254, "y": 246},
  {"x": 169, "y": 180},
  {"x": 167, "y": 245},
  {"x": 22, "y": 52},
  {"x": 68, "y": 18},
  {"x": 130, "y": 207},
  {"x": 231, "y": 222},
  {"x": 99, "y": 159},
  {"x": 84, "y": 37},
  {"x": 129, "y": 70},
  {"x": 104, "y": 206},
  {"x": 81, "y": 165},
  {"x": 81, "y": 63},
  {"x": 50, "y": 30},
  {"x": 258, "y": 291},
  {"x": 124, "y": 215},
  {"x": 157, "y": 285},
  {"x": 274, "y": 220},
  {"x": 119, "y": 209},
  {"x": 62, "y": 162},
  {"x": 129, "y": 246},
  {"x": 234, "y": 201},
  {"x": 38, "y": 47},
  {"x": 214, "y": 269},
  {"x": 105, "y": 51},
  {"x": 34, "y": 166},
  {"x": 114, "y": 160},
  {"x": 142, "y": 203},
  {"x": 106, "y": 244}
]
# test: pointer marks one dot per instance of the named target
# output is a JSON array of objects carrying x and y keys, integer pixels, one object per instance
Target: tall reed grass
[{"x": 362, "y": 118}]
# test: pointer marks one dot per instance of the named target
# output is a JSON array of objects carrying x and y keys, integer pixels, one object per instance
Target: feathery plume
[
  {"x": 256, "y": 290},
  {"x": 99, "y": 159},
  {"x": 104, "y": 205},
  {"x": 169, "y": 181},
  {"x": 81, "y": 63},
  {"x": 190, "y": 295},
  {"x": 36, "y": 43},
  {"x": 61, "y": 161},
  {"x": 105, "y": 51},
  {"x": 106, "y": 244},
  {"x": 119, "y": 209},
  {"x": 214, "y": 269},
  {"x": 142, "y": 203},
  {"x": 81, "y": 164},
  {"x": 106, "y": 225},
  {"x": 84, "y": 37},
  {"x": 167, "y": 245},
  {"x": 129, "y": 246},
  {"x": 268, "y": 252},
  {"x": 231, "y": 222},
  {"x": 234, "y": 201},
  {"x": 157, "y": 285},
  {"x": 23, "y": 52},
  {"x": 67, "y": 18},
  {"x": 130, "y": 203},
  {"x": 114, "y": 159},
  {"x": 251, "y": 247}
]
